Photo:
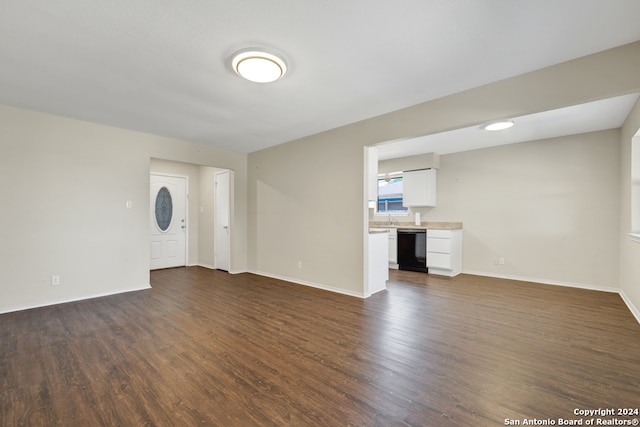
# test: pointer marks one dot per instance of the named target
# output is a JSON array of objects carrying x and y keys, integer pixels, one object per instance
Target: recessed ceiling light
[
  {"x": 258, "y": 66},
  {"x": 501, "y": 125}
]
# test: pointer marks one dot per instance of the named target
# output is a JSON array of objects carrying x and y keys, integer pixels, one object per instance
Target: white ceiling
[
  {"x": 593, "y": 116},
  {"x": 163, "y": 66}
]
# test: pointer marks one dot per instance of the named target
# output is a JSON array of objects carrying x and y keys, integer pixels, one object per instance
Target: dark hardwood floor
[{"x": 207, "y": 348}]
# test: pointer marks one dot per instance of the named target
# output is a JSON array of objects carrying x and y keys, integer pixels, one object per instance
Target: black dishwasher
[{"x": 412, "y": 250}]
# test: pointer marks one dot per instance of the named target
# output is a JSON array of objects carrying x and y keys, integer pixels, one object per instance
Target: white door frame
[
  {"x": 229, "y": 219},
  {"x": 186, "y": 209}
]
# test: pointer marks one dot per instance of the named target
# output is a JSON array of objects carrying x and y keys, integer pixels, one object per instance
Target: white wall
[
  {"x": 65, "y": 183},
  {"x": 299, "y": 195},
  {"x": 549, "y": 208}
]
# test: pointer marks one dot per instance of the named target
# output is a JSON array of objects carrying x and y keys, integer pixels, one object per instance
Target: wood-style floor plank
[{"x": 204, "y": 347}]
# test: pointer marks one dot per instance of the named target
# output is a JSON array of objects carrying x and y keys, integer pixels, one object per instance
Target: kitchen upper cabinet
[{"x": 419, "y": 188}]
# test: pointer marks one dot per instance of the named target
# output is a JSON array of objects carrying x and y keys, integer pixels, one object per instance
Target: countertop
[{"x": 434, "y": 225}]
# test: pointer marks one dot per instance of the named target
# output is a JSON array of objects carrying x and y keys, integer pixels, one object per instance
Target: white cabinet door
[
  {"x": 419, "y": 188},
  {"x": 393, "y": 247},
  {"x": 442, "y": 246},
  {"x": 439, "y": 261}
]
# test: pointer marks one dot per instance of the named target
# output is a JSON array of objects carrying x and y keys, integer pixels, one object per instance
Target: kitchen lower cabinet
[
  {"x": 444, "y": 252},
  {"x": 378, "y": 272}
]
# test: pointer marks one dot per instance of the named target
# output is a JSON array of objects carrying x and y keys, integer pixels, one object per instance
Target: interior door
[
  {"x": 222, "y": 228},
  {"x": 168, "y": 222}
]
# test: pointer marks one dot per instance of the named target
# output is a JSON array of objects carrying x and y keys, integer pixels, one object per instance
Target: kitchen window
[{"x": 390, "y": 196}]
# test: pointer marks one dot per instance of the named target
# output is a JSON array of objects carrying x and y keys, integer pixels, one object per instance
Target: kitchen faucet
[{"x": 390, "y": 218}]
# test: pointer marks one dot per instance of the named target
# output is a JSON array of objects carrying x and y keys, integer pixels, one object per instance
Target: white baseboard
[
  {"x": 634, "y": 310},
  {"x": 64, "y": 301},
  {"x": 310, "y": 284},
  {"x": 211, "y": 267},
  {"x": 544, "y": 281}
]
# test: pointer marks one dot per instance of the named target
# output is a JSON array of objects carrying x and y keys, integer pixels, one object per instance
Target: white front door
[
  {"x": 222, "y": 226},
  {"x": 168, "y": 222}
]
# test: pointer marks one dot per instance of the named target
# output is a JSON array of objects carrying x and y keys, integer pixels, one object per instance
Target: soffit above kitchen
[
  {"x": 164, "y": 67},
  {"x": 589, "y": 117}
]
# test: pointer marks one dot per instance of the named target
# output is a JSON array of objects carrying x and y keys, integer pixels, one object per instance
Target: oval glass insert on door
[{"x": 164, "y": 209}]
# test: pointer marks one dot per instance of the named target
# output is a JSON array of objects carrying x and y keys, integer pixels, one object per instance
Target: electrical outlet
[
  {"x": 299, "y": 265},
  {"x": 501, "y": 261},
  {"x": 55, "y": 280}
]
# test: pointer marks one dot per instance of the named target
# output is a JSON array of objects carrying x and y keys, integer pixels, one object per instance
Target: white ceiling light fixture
[
  {"x": 259, "y": 66},
  {"x": 501, "y": 125}
]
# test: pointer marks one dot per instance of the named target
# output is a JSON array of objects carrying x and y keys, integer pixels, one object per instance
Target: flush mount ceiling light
[
  {"x": 501, "y": 125},
  {"x": 258, "y": 66}
]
